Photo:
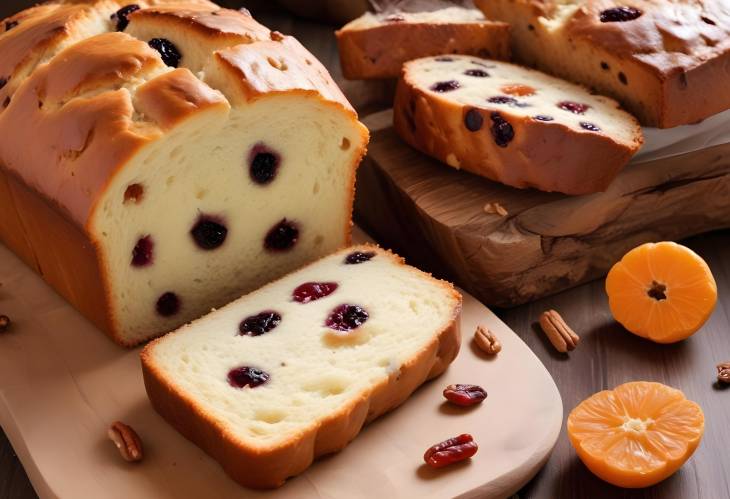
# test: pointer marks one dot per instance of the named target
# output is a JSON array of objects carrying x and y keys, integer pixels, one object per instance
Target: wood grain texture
[{"x": 606, "y": 357}]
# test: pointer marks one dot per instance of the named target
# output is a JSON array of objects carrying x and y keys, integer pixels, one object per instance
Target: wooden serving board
[
  {"x": 435, "y": 216},
  {"x": 62, "y": 383}
]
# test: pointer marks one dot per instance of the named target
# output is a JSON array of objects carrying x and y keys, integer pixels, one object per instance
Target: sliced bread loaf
[
  {"x": 514, "y": 125},
  {"x": 294, "y": 370},
  {"x": 376, "y": 45}
]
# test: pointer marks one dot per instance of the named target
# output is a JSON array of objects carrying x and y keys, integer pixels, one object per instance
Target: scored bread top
[
  {"x": 667, "y": 37},
  {"x": 77, "y": 99}
]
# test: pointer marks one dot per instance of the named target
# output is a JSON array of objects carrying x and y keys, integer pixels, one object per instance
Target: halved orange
[
  {"x": 637, "y": 434},
  {"x": 661, "y": 291}
]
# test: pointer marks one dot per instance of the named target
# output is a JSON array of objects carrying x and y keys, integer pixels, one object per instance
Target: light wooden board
[
  {"x": 435, "y": 216},
  {"x": 62, "y": 383}
]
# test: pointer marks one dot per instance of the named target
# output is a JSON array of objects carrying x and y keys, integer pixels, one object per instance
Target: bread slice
[
  {"x": 161, "y": 161},
  {"x": 377, "y": 44},
  {"x": 322, "y": 381},
  {"x": 665, "y": 61},
  {"x": 514, "y": 125}
]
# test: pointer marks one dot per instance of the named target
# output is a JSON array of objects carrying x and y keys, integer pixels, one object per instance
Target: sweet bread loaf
[
  {"x": 159, "y": 159},
  {"x": 665, "y": 61},
  {"x": 514, "y": 125},
  {"x": 293, "y": 370},
  {"x": 376, "y": 45}
]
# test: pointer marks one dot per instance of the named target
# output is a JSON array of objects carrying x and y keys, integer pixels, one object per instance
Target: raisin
[
  {"x": 478, "y": 73},
  {"x": 245, "y": 376},
  {"x": 282, "y": 236},
  {"x": 503, "y": 99},
  {"x": 264, "y": 164},
  {"x": 121, "y": 15},
  {"x": 465, "y": 395},
  {"x": 543, "y": 117},
  {"x": 451, "y": 451},
  {"x": 142, "y": 254},
  {"x": 590, "y": 126},
  {"x": 359, "y": 257},
  {"x": 502, "y": 131},
  {"x": 445, "y": 86},
  {"x": 208, "y": 233},
  {"x": 256, "y": 325},
  {"x": 168, "y": 304},
  {"x": 168, "y": 51},
  {"x": 473, "y": 120},
  {"x": 346, "y": 317},
  {"x": 619, "y": 14},
  {"x": 311, "y": 291}
]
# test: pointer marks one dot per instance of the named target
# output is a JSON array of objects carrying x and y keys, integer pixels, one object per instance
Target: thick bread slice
[
  {"x": 159, "y": 162},
  {"x": 665, "y": 61},
  {"x": 377, "y": 44},
  {"x": 323, "y": 384},
  {"x": 514, "y": 125}
]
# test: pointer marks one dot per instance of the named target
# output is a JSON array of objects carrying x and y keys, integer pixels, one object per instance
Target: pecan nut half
[
  {"x": 487, "y": 340},
  {"x": 127, "y": 441},
  {"x": 562, "y": 337},
  {"x": 723, "y": 373}
]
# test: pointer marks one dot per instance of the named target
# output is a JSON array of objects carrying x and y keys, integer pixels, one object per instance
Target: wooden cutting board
[
  {"x": 435, "y": 216},
  {"x": 62, "y": 383}
]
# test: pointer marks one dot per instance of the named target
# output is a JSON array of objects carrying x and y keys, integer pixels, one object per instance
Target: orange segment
[
  {"x": 636, "y": 435},
  {"x": 661, "y": 291}
]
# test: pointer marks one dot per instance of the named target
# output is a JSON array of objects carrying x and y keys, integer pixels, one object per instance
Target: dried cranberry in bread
[
  {"x": 376, "y": 45},
  {"x": 293, "y": 370},
  {"x": 160, "y": 158},
  {"x": 665, "y": 61},
  {"x": 514, "y": 125}
]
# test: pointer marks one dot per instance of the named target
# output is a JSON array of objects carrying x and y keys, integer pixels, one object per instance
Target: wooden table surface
[{"x": 606, "y": 357}]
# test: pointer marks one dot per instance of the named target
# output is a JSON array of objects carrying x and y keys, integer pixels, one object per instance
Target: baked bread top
[{"x": 81, "y": 90}]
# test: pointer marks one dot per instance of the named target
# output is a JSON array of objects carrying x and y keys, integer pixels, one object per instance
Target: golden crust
[
  {"x": 380, "y": 51},
  {"x": 259, "y": 467}
]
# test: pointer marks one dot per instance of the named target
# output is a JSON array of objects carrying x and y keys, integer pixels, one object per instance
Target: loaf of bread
[
  {"x": 665, "y": 61},
  {"x": 157, "y": 160},
  {"x": 377, "y": 44},
  {"x": 514, "y": 125},
  {"x": 294, "y": 370}
]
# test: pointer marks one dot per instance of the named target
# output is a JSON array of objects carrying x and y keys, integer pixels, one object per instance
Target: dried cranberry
[
  {"x": 473, "y": 120},
  {"x": 465, "y": 395},
  {"x": 573, "y": 107},
  {"x": 590, "y": 126},
  {"x": 620, "y": 14},
  {"x": 479, "y": 73},
  {"x": 543, "y": 117},
  {"x": 256, "y": 325},
  {"x": 168, "y": 304},
  {"x": 502, "y": 99},
  {"x": 445, "y": 86},
  {"x": 359, "y": 257},
  {"x": 502, "y": 131},
  {"x": 264, "y": 164},
  {"x": 208, "y": 233},
  {"x": 120, "y": 16},
  {"x": 444, "y": 59},
  {"x": 143, "y": 252},
  {"x": 245, "y": 376},
  {"x": 346, "y": 317},
  {"x": 451, "y": 451},
  {"x": 282, "y": 236},
  {"x": 168, "y": 51},
  {"x": 311, "y": 291},
  {"x": 10, "y": 25}
]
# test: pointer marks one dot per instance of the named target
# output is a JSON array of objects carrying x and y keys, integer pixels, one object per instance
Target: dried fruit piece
[
  {"x": 473, "y": 120},
  {"x": 445, "y": 86},
  {"x": 283, "y": 236},
  {"x": 264, "y": 164},
  {"x": 127, "y": 441},
  {"x": 573, "y": 107},
  {"x": 256, "y": 325},
  {"x": 502, "y": 131},
  {"x": 168, "y": 304},
  {"x": 359, "y": 257},
  {"x": 562, "y": 337},
  {"x": 451, "y": 451},
  {"x": 346, "y": 318},
  {"x": 242, "y": 377},
  {"x": 619, "y": 14},
  {"x": 121, "y": 16},
  {"x": 487, "y": 341},
  {"x": 209, "y": 233},
  {"x": 142, "y": 254},
  {"x": 518, "y": 90},
  {"x": 311, "y": 291},
  {"x": 465, "y": 395},
  {"x": 663, "y": 292},
  {"x": 587, "y": 125},
  {"x": 477, "y": 73},
  {"x": 637, "y": 434},
  {"x": 4, "y": 323},
  {"x": 723, "y": 372},
  {"x": 168, "y": 51}
]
